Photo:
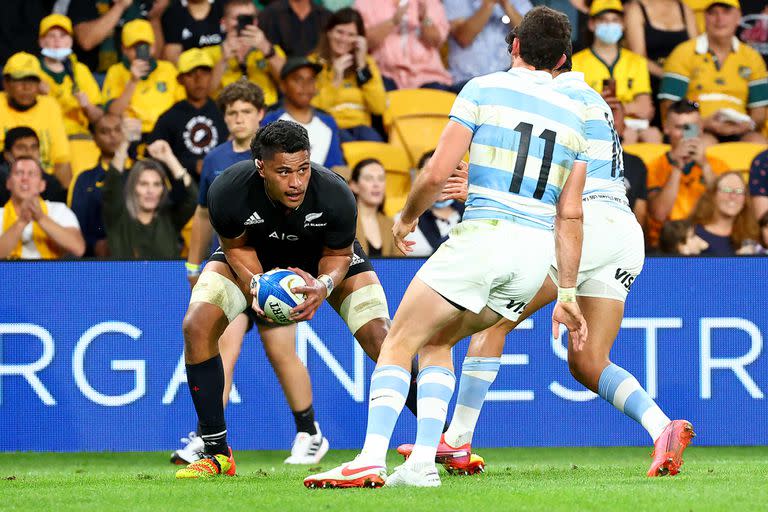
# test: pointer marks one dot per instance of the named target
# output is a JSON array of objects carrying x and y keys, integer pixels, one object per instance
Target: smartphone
[
  {"x": 243, "y": 20},
  {"x": 142, "y": 51},
  {"x": 690, "y": 131},
  {"x": 609, "y": 87}
]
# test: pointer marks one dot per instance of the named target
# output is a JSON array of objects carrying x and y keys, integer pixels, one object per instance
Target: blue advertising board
[{"x": 91, "y": 360}]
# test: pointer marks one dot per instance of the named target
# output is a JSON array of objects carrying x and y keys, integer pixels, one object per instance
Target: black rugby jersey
[{"x": 238, "y": 202}]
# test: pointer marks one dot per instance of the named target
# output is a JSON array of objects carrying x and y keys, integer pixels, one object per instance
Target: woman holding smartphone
[{"x": 349, "y": 87}]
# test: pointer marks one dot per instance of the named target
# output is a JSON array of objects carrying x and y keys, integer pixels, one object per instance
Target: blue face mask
[
  {"x": 442, "y": 204},
  {"x": 609, "y": 33},
  {"x": 56, "y": 53}
]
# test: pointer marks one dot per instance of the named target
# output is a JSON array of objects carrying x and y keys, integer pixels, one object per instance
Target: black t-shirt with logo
[
  {"x": 191, "y": 132},
  {"x": 238, "y": 202},
  {"x": 180, "y": 27}
]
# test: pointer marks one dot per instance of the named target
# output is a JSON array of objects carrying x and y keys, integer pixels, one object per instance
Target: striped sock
[
  {"x": 435, "y": 389},
  {"x": 477, "y": 375},
  {"x": 621, "y": 389},
  {"x": 389, "y": 387}
]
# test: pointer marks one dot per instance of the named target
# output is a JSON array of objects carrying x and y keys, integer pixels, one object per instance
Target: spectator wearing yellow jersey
[
  {"x": 617, "y": 72},
  {"x": 349, "y": 86},
  {"x": 140, "y": 86},
  {"x": 725, "y": 76},
  {"x": 22, "y": 105},
  {"x": 72, "y": 85},
  {"x": 246, "y": 51}
]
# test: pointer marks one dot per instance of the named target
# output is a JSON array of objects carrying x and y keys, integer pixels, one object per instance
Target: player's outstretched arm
[
  {"x": 568, "y": 240},
  {"x": 332, "y": 269}
]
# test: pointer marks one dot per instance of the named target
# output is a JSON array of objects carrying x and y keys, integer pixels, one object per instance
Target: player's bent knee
[
  {"x": 363, "y": 305},
  {"x": 371, "y": 336},
  {"x": 213, "y": 288}
]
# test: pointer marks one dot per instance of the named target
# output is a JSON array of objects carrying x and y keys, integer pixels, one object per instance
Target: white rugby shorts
[
  {"x": 612, "y": 254},
  {"x": 494, "y": 263}
]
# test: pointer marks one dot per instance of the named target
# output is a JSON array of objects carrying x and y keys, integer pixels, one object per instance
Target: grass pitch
[{"x": 516, "y": 479}]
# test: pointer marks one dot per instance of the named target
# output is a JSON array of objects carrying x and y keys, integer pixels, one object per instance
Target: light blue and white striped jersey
[
  {"x": 526, "y": 137},
  {"x": 605, "y": 167}
]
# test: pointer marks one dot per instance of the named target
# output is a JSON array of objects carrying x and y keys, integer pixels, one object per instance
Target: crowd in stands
[{"x": 116, "y": 115}]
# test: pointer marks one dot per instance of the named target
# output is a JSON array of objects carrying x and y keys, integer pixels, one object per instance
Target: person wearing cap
[
  {"x": 725, "y": 76},
  {"x": 298, "y": 81},
  {"x": 140, "y": 86},
  {"x": 193, "y": 126},
  {"x": 71, "y": 83},
  {"x": 98, "y": 24},
  {"x": 22, "y": 105},
  {"x": 246, "y": 51},
  {"x": 617, "y": 72}
]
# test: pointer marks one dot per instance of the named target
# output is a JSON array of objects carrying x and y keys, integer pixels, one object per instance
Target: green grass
[{"x": 516, "y": 479}]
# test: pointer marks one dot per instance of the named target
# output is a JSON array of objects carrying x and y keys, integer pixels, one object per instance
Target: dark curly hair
[
  {"x": 241, "y": 90},
  {"x": 279, "y": 137},
  {"x": 544, "y": 36}
]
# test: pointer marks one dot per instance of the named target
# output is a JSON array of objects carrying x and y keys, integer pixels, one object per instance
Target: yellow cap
[
  {"x": 729, "y": 3},
  {"x": 194, "y": 58},
  {"x": 55, "y": 20},
  {"x": 600, "y": 6},
  {"x": 137, "y": 31},
  {"x": 22, "y": 65}
]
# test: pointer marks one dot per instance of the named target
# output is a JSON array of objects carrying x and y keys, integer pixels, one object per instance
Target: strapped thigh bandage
[
  {"x": 216, "y": 289},
  {"x": 363, "y": 305}
]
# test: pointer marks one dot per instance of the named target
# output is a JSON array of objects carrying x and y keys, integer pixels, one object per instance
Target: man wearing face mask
[
  {"x": 618, "y": 73},
  {"x": 72, "y": 85}
]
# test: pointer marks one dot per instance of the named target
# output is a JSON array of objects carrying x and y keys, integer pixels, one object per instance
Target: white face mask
[{"x": 56, "y": 53}]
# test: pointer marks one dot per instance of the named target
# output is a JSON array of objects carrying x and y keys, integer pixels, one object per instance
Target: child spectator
[
  {"x": 298, "y": 81},
  {"x": 194, "y": 126},
  {"x": 349, "y": 86},
  {"x": 679, "y": 238}
]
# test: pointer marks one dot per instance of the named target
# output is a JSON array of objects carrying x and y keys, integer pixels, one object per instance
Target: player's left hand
[
  {"x": 401, "y": 230},
  {"x": 314, "y": 292},
  {"x": 569, "y": 314}
]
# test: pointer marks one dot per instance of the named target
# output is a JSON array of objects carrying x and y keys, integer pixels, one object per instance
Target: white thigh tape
[
  {"x": 363, "y": 305},
  {"x": 216, "y": 289}
]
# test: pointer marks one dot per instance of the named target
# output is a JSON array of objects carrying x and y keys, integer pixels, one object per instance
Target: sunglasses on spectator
[{"x": 729, "y": 190}]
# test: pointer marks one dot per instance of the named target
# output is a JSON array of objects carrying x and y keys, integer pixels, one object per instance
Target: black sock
[
  {"x": 410, "y": 400},
  {"x": 305, "y": 421},
  {"x": 206, "y": 385}
]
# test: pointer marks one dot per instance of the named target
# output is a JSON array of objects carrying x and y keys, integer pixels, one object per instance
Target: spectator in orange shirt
[{"x": 677, "y": 179}]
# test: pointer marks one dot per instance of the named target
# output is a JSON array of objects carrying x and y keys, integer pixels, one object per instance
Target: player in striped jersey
[
  {"x": 612, "y": 257},
  {"x": 526, "y": 172}
]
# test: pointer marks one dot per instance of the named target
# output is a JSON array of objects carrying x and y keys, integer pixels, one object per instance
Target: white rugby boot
[{"x": 308, "y": 449}]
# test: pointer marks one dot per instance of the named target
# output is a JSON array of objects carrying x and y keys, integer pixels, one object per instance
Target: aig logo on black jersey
[{"x": 283, "y": 236}]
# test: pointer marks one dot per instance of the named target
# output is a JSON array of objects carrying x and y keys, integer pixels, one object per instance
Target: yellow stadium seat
[
  {"x": 737, "y": 156},
  {"x": 417, "y": 102},
  {"x": 84, "y": 155},
  {"x": 647, "y": 151},
  {"x": 417, "y": 135},
  {"x": 395, "y": 162}
]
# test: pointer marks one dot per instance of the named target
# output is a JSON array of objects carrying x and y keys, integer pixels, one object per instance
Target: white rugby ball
[{"x": 274, "y": 295}]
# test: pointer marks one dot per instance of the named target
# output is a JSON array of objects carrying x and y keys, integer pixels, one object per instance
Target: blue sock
[
  {"x": 621, "y": 389},
  {"x": 389, "y": 388},
  {"x": 477, "y": 375},
  {"x": 435, "y": 386}
]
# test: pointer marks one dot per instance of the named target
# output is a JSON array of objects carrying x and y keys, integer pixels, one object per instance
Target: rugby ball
[{"x": 274, "y": 295}]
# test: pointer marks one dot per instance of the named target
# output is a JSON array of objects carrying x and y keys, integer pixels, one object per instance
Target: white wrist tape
[
  {"x": 566, "y": 294},
  {"x": 327, "y": 281}
]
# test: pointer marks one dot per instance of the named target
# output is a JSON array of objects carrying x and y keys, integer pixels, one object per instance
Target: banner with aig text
[{"x": 91, "y": 359}]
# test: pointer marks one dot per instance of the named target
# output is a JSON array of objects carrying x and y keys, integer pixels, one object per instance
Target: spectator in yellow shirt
[
  {"x": 141, "y": 86},
  {"x": 246, "y": 51},
  {"x": 617, "y": 72},
  {"x": 22, "y": 105},
  {"x": 349, "y": 86},
  {"x": 677, "y": 179},
  {"x": 71, "y": 83},
  {"x": 725, "y": 76}
]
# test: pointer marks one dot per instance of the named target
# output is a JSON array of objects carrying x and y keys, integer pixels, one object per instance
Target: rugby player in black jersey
[{"x": 277, "y": 210}]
